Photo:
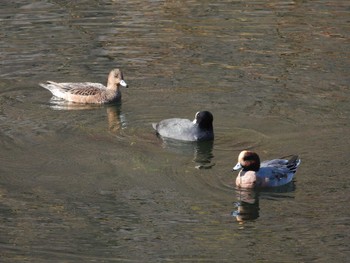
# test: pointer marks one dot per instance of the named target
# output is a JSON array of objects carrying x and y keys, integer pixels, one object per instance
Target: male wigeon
[
  {"x": 88, "y": 92},
  {"x": 270, "y": 173},
  {"x": 200, "y": 129}
]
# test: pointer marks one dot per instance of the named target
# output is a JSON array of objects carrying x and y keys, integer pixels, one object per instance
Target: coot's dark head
[{"x": 204, "y": 119}]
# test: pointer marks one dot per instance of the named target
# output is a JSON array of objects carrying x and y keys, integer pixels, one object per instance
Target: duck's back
[
  {"x": 81, "y": 92},
  {"x": 278, "y": 171},
  {"x": 272, "y": 177},
  {"x": 73, "y": 88}
]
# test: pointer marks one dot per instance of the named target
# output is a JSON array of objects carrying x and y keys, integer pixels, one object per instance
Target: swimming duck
[
  {"x": 200, "y": 129},
  {"x": 270, "y": 173},
  {"x": 88, "y": 92}
]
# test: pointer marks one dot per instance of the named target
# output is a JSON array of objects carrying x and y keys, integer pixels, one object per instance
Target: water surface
[{"x": 83, "y": 184}]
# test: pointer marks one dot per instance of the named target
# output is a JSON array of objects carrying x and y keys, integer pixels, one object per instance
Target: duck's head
[
  {"x": 248, "y": 161},
  {"x": 115, "y": 78},
  {"x": 204, "y": 119}
]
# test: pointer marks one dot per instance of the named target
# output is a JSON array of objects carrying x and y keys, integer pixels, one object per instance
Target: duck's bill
[
  {"x": 237, "y": 167},
  {"x": 123, "y": 83}
]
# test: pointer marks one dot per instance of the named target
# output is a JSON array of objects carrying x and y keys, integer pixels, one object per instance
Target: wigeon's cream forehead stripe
[{"x": 241, "y": 155}]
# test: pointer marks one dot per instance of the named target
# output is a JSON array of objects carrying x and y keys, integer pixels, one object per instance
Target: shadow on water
[
  {"x": 247, "y": 206},
  {"x": 202, "y": 152}
]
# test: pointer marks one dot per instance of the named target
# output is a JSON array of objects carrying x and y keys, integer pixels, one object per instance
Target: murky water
[{"x": 84, "y": 184}]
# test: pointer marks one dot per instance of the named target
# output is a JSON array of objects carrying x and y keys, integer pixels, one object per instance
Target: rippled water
[{"x": 83, "y": 183}]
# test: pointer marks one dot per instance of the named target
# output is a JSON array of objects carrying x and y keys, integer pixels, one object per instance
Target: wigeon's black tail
[{"x": 293, "y": 163}]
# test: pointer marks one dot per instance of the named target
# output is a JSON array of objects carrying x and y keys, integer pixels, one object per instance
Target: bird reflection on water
[
  {"x": 116, "y": 120},
  {"x": 247, "y": 206},
  {"x": 202, "y": 152}
]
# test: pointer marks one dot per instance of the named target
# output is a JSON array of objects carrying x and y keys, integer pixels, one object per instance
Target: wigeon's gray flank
[
  {"x": 270, "y": 173},
  {"x": 200, "y": 129},
  {"x": 88, "y": 92}
]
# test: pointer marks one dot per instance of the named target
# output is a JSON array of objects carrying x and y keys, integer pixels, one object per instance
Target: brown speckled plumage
[{"x": 88, "y": 92}]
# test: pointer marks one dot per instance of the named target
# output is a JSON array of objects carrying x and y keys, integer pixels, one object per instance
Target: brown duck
[{"x": 88, "y": 92}]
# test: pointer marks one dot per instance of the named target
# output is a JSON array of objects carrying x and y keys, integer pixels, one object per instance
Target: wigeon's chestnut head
[
  {"x": 272, "y": 173},
  {"x": 248, "y": 161}
]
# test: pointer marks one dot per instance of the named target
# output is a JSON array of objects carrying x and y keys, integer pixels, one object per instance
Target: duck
[
  {"x": 89, "y": 92},
  {"x": 271, "y": 173},
  {"x": 200, "y": 129}
]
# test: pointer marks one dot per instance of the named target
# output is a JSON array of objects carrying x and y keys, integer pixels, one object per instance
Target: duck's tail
[
  {"x": 55, "y": 88},
  {"x": 44, "y": 85},
  {"x": 293, "y": 163},
  {"x": 154, "y": 125},
  {"x": 49, "y": 85}
]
